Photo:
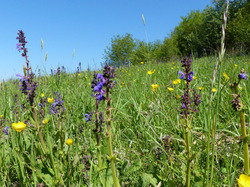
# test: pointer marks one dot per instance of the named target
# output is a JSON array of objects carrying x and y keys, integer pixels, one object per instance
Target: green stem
[
  {"x": 111, "y": 156},
  {"x": 39, "y": 130},
  {"x": 187, "y": 141},
  {"x": 98, "y": 138},
  {"x": 245, "y": 144}
]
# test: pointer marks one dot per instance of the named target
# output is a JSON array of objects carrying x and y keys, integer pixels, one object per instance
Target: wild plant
[{"x": 190, "y": 100}]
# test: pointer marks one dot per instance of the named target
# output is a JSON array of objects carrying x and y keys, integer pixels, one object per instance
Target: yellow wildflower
[
  {"x": 151, "y": 72},
  {"x": 19, "y": 126},
  {"x": 51, "y": 100},
  {"x": 1, "y": 116},
  {"x": 69, "y": 141},
  {"x": 173, "y": 63},
  {"x": 138, "y": 70},
  {"x": 154, "y": 87},
  {"x": 214, "y": 90},
  {"x": 170, "y": 89},
  {"x": 176, "y": 81},
  {"x": 226, "y": 76},
  {"x": 45, "y": 121},
  {"x": 235, "y": 65},
  {"x": 177, "y": 96},
  {"x": 195, "y": 77},
  {"x": 42, "y": 95},
  {"x": 142, "y": 63},
  {"x": 201, "y": 88},
  {"x": 244, "y": 181}
]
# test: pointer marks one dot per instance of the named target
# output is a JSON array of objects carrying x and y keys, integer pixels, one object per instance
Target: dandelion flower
[
  {"x": 170, "y": 89},
  {"x": 51, "y": 100},
  {"x": 19, "y": 126},
  {"x": 244, "y": 181},
  {"x": 69, "y": 141}
]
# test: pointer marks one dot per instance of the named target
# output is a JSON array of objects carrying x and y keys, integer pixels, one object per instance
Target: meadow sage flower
[
  {"x": 242, "y": 75},
  {"x": 244, "y": 181},
  {"x": 6, "y": 130},
  {"x": 19, "y": 126},
  {"x": 69, "y": 141}
]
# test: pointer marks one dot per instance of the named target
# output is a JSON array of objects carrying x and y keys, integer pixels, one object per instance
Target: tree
[{"x": 120, "y": 51}]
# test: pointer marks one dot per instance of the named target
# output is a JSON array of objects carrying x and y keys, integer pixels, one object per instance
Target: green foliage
[{"x": 119, "y": 53}]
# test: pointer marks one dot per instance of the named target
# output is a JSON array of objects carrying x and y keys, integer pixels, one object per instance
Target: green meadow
[{"x": 147, "y": 130}]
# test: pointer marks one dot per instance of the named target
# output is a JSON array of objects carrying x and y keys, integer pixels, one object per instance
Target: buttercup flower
[
  {"x": 142, "y": 63},
  {"x": 19, "y": 126},
  {"x": 226, "y": 76},
  {"x": 151, "y": 72},
  {"x": 244, "y": 181},
  {"x": 51, "y": 100},
  {"x": 201, "y": 88},
  {"x": 45, "y": 121},
  {"x": 176, "y": 81},
  {"x": 42, "y": 95},
  {"x": 214, "y": 90},
  {"x": 69, "y": 141},
  {"x": 170, "y": 89},
  {"x": 154, "y": 87}
]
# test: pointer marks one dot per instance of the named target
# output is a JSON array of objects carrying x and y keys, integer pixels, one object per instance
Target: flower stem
[
  {"x": 245, "y": 144},
  {"x": 187, "y": 141}
]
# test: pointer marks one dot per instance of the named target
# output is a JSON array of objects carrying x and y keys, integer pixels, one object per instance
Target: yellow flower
[
  {"x": 177, "y": 96},
  {"x": 195, "y": 77},
  {"x": 226, "y": 76},
  {"x": 170, "y": 89},
  {"x": 154, "y": 87},
  {"x": 142, "y": 63},
  {"x": 235, "y": 65},
  {"x": 244, "y": 181},
  {"x": 138, "y": 70},
  {"x": 51, "y": 100},
  {"x": 214, "y": 90},
  {"x": 42, "y": 95},
  {"x": 151, "y": 72},
  {"x": 173, "y": 63},
  {"x": 201, "y": 88},
  {"x": 19, "y": 126},
  {"x": 176, "y": 81},
  {"x": 134, "y": 80},
  {"x": 1, "y": 116},
  {"x": 69, "y": 141},
  {"x": 172, "y": 68},
  {"x": 45, "y": 121},
  {"x": 79, "y": 74}
]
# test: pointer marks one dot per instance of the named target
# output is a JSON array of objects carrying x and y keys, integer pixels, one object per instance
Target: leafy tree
[{"x": 120, "y": 51}]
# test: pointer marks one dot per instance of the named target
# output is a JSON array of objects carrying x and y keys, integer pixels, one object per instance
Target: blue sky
[{"x": 85, "y": 26}]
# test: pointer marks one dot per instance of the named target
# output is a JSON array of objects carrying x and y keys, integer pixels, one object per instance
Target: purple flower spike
[
  {"x": 100, "y": 76},
  {"x": 182, "y": 74},
  {"x": 242, "y": 76}
]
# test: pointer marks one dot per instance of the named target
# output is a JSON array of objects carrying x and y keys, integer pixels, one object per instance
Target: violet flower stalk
[
  {"x": 189, "y": 104},
  {"x": 238, "y": 107},
  {"x": 109, "y": 75},
  {"x": 28, "y": 85}
]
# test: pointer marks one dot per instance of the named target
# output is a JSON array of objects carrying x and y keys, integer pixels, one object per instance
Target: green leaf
[{"x": 148, "y": 179}]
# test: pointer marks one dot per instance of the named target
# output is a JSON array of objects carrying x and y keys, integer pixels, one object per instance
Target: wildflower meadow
[{"x": 184, "y": 122}]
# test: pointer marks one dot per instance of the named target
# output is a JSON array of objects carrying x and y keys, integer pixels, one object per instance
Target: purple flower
[
  {"x": 190, "y": 77},
  {"x": 88, "y": 117},
  {"x": 100, "y": 76},
  {"x": 99, "y": 97},
  {"x": 18, "y": 47},
  {"x": 182, "y": 74},
  {"x": 242, "y": 76},
  {"x": 98, "y": 87},
  {"x": 5, "y": 130}
]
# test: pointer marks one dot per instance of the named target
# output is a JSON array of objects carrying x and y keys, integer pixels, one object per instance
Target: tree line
[{"x": 199, "y": 33}]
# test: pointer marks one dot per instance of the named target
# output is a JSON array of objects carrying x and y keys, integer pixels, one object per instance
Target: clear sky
[{"x": 85, "y": 26}]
